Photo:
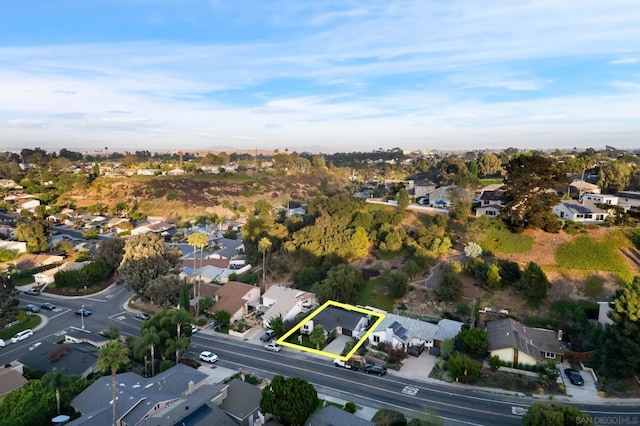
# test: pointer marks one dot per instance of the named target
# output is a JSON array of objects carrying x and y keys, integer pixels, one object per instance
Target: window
[
  {"x": 376, "y": 339},
  {"x": 550, "y": 355}
]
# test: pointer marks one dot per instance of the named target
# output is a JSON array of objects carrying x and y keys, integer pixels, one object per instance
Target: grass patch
[
  {"x": 31, "y": 322},
  {"x": 593, "y": 286},
  {"x": 491, "y": 181},
  {"x": 497, "y": 238},
  {"x": 585, "y": 253},
  {"x": 389, "y": 255},
  {"x": 322, "y": 402},
  {"x": 373, "y": 294}
]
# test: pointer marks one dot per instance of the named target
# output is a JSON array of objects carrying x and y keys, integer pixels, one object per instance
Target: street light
[{"x": 82, "y": 316}]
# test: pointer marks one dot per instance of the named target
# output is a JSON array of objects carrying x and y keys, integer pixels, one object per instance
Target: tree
[
  {"x": 278, "y": 325},
  {"x": 554, "y": 415},
  {"x": 450, "y": 287},
  {"x": 112, "y": 357},
  {"x": 110, "y": 252},
  {"x": 489, "y": 164},
  {"x": 151, "y": 339},
  {"x": 472, "y": 250},
  {"x": 618, "y": 356},
  {"x": 473, "y": 341},
  {"x": 146, "y": 258},
  {"x": 170, "y": 324},
  {"x": 206, "y": 303},
  {"x": 463, "y": 368},
  {"x": 403, "y": 198},
  {"x": 56, "y": 379},
  {"x": 530, "y": 189},
  {"x": 264, "y": 245},
  {"x": 35, "y": 233},
  {"x": 178, "y": 345},
  {"x": 290, "y": 400},
  {"x": 614, "y": 176},
  {"x": 318, "y": 336},
  {"x": 164, "y": 291},
  {"x": 493, "y": 277},
  {"x": 461, "y": 202},
  {"x": 395, "y": 283},
  {"x": 342, "y": 284},
  {"x": 222, "y": 317},
  {"x": 184, "y": 297},
  {"x": 197, "y": 240},
  {"x": 386, "y": 417},
  {"x": 535, "y": 283},
  {"x": 32, "y": 404}
]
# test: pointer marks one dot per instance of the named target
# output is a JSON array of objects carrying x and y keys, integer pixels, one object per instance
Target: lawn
[
  {"x": 497, "y": 238},
  {"x": 31, "y": 322},
  {"x": 373, "y": 294},
  {"x": 586, "y": 253}
]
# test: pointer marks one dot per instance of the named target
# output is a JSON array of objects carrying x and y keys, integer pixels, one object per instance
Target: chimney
[
  {"x": 191, "y": 386},
  {"x": 559, "y": 334}
]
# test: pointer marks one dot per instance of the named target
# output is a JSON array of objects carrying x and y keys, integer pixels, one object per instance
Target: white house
[
  {"x": 609, "y": 199},
  {"x": 18, "y": 246},
  {"x": 48, "y": 276},
  {"x": 147, "y": 172},
  {"x": 441, "y": 197},
  {"x": 285, "y": 301},
  {"x": 401, "y": 332},
  {"x": 27, "y": 205},
  {"x": 629, "y": 199},
  {"x": 603, "y": 314},
  {"x": 580, "y": 211}
]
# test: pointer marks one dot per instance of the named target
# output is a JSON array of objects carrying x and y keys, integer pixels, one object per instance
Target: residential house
[
  {"x": 31, "y": 261},
  {"x": 236, "y": 298},
  {"x": 176, "y": 172},
  {"x": 300, "y": 211},
  {"x": 242, "y": 403},
  {"x": 139, "y": 398},
  {"x": 8, "y": 184},
  {"x": 77, "y": 336},
  {"x": 285, "y": 301},
  {"x": 80, "y": 359},
  {"x": 11, "y": 378},
  {"x": 227, "y": 248},
  {"x": 199, "y": 407},
  {"x": 342, "y": 321},
  {"x": 580, "y": 211},
  {"x": 147, "y": 172},
  {"x": 48, "y": 276},
  {"x": 29, "y": 205},
  {"x": 17, "y": 246},
  {"x": 447, "y": 329},
  {"x": 334, "y": 416},
  {"x": 598, "y": 198},
  {"x": 422, "y": 189},
  {"x": 630, "y": 200},
  {"x": 579, "y": 187},
  {"x": 8, "y": 219},
  {"x": 402, "y": 332},
  {"x": 441, "y": 197},
  {"x": 516, "y": 343},
  {"x": 157, "y": 226},
  {"x": 491, "y": 202}
]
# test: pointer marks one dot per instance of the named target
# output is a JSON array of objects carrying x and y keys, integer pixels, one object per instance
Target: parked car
[
  {"x": 270, "y": 334},
  {"x": 375, "y": 369},
  {"x": 48, "y": 305},
  {"x": 32, "y": 291},
  {"x": 32, "y": 308},
  {"x": 142, "y": 316},
  {"x": 208, "y": 356},
  {"x": 574, "y": 377},
  {"x": 84, "y": 312},
  {"x": 356, "y": 362},
  {"x": 1, "y": 343},
  {"x": 273, "y": 347},
  {"x": 22, "y": 335}
]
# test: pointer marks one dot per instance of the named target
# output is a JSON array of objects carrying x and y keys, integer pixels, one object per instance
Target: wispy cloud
[{"x": 398, "y": 73}]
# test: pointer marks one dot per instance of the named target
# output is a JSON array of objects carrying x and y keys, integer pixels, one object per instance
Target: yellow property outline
[{"x": 282, "y": 341}]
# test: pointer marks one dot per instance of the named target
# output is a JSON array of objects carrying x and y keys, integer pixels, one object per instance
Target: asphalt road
[{"x": 455, "y": 406}]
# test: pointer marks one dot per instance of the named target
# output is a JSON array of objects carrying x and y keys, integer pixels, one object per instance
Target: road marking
[
  {"x": 410, "y": 390},
  {"x": 121, "y": 318},
  {"x": 95, "y": 300},
  {"x": 61, "y": 333}
]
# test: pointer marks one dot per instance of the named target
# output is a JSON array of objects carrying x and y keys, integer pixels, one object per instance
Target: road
[{"x": 455, "y": 406}]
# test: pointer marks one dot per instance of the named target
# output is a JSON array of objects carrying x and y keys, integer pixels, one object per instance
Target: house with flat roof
[
  {"x": 334, "y": 416},
  {"x": 75, "y": 358},
  {"x": 580, "y": 211}
]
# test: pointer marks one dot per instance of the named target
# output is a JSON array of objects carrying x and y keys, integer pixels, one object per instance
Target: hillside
[{"x": 188, "y": 196}]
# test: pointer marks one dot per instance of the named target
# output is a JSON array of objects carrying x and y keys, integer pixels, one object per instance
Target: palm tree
[
  {"x": 113, "y": 356},
  {"x": 264, "y": 245},
  {"x": 196, "y": 240},
  {"x": 150, "y": 339},
  {"x": 55, "y": 379},
  {"x": 178, "y": 345}
]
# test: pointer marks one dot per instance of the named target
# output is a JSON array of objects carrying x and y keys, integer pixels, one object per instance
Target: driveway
[
  {"x": 417, "y": 368},
  {"x": 588, "y": 392},
  {"x": 337, "y": 345}
]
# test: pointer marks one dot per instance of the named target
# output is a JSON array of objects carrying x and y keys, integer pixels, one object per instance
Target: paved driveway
[
  {"x": 416, "y": 367},
  {"x": 337, "y": 345},
  {"x": 581, "y": 393}
]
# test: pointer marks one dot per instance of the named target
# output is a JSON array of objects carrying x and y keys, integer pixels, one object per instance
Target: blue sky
[{"x": 342, "y": 75}]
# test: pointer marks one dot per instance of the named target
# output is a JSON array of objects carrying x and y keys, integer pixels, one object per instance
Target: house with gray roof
[
  {"x": 80, "y": 359},
  {"x": 343, "y": 321},
  {"x": 242, "y": 402},
  {"x": 284, "y": 301},
  {"x": 334, "y": 416},
  {"x": 513, "y": 342},
  {"x": 580, "y": 211},
  {"x": 138, "y": 398}
]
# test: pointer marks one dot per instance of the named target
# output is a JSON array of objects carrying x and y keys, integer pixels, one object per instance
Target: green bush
[
  {"x": 593, "y": 286},
  {"x": 463, "y": 368},
  {"x": 350, "y": 407}
]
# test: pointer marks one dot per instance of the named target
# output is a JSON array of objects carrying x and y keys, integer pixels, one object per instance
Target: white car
[
  {"x": 208, "y": 356},
  {"x": 22, "y": 335},
  {"x": 1, "y": 343},
  {"x": 273, "y": 347}
]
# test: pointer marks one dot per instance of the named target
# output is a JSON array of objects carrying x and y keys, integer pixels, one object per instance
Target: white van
[
  {"x": 22, "y": 335},
  {"x": 1, "y": 343}
]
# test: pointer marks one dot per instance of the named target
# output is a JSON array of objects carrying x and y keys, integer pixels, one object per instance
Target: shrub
[
  {"x": 350, "y": 407},
  {"x": 593, "y": 286},
  {"x": 463, "y": 368},
  {"x": 386, "y": 417}
]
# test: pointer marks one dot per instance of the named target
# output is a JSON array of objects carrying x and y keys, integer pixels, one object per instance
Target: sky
[{"x": 322, "y": 75}]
